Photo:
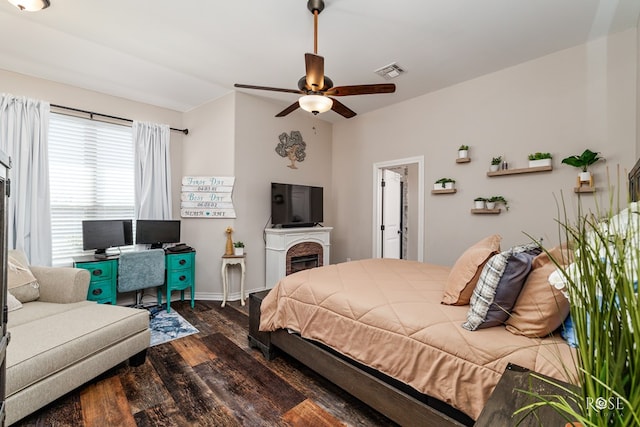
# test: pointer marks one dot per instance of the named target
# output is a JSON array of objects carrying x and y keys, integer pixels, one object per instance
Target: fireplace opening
[
  {"x": 299, "y": 263},
  {"x": 303, "y": 256}
]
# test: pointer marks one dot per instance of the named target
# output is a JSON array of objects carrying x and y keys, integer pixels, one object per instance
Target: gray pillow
[{"x": 509, "y": 287}]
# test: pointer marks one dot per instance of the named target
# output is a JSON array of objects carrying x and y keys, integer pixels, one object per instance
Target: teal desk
[
  {"x": 180, "y": 274},
  {"x": 104, "y": 278}
]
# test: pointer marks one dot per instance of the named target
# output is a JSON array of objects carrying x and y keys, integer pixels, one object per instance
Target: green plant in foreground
[
  {"x": 496, "y": 160},
  {"x": 603, "y": 291}
]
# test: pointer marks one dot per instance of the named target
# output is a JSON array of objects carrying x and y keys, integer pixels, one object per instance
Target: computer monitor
[
  {"x": 157, "y": 232},
  {"x": 102, "y": 234}
]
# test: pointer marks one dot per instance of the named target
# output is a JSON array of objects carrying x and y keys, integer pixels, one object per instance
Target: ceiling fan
[{"x": 316, "y": 88}]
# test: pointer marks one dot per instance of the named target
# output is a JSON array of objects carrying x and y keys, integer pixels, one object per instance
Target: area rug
[{"x": 167, "y": 327}]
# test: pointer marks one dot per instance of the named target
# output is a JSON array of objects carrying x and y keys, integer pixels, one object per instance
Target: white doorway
[{"x": 398, "y": 223}]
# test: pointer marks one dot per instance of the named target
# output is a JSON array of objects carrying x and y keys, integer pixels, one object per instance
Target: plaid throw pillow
[{"x": 485, "y": 290}]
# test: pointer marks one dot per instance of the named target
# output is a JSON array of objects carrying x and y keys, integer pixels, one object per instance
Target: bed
[{"x": 379, "y": 329}]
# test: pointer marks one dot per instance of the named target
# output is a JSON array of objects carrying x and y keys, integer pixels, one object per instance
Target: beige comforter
[{"x": 387, "y": 314}]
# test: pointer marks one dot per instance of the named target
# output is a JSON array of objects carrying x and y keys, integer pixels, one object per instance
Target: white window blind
[{"x": 91, "y": 177}]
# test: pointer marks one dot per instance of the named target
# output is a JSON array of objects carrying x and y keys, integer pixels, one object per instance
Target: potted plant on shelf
[
  {"x": 495, "y": 163},
  {"x": 494, "y": 200},
  {"x": 479, "y": 202},
  {"x": 444, "y": 184},
  {"x": 238, "y": 248},
  {"x": 583, "y": 161},
  {"x": 537, "y": 160},
  {"x": 463, "y": 152}
]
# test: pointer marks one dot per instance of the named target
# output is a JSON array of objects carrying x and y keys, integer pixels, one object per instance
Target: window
[{"x": 91, "y": 177}]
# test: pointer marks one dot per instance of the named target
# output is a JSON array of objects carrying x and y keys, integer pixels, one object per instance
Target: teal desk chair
[{"x": 140, "y": 270}]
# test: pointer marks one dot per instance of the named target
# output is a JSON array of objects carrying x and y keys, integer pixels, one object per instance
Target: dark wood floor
[{"x": 211, "y": 378}]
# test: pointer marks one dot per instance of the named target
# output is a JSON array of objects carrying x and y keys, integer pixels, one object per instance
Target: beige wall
[
  {"x": 236, "y": 136},
  {"x": 257, "y": 165},
  {"x": 562, "y": 103},
  {"x": 579, "y": 98},
  {"x": 208, "y": 150}
]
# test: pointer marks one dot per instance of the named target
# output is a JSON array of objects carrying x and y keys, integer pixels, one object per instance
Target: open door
[
  {"x": 387, "y": 241},
  {"x": 392, "y": 225}
]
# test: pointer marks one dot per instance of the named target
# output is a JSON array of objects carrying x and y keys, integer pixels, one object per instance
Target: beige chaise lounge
[{"x": 60, "y": 340}]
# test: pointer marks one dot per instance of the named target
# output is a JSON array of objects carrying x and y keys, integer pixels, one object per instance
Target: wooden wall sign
[{"x": 207, "y": 197}]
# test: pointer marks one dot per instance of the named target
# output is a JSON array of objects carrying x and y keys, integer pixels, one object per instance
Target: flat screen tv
[
  {"x": 295, "y": 205},
  {"x": 157, "y": 232},
  {"x": 102, "y": 234}
]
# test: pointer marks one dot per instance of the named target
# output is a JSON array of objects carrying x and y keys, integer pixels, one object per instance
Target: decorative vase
[
  {"x": 463, "y": 154},
  {"x": 479, "y": 204},
  {"x": 229, "y": 247},
  {"x": 238, "y": 251},
  {"x": 491, "y": 205},
  {"x": 494, "y": 168}
]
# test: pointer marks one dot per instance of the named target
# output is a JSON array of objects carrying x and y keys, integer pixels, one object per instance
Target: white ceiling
[{"x": 183, "y": 53}]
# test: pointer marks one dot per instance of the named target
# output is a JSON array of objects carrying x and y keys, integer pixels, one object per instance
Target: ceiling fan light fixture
[
  {"x": 30, "y": 5},
  {"x": 315, "y": 103}
]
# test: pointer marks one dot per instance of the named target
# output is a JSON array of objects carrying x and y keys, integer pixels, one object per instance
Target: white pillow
[{"x": 12, "y": 302}]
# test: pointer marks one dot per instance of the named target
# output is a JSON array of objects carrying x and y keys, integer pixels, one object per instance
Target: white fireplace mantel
[{"x": 280, "y": 240}]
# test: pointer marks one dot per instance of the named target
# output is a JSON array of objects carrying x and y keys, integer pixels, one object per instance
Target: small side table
[{"x": 228, "y": 260}]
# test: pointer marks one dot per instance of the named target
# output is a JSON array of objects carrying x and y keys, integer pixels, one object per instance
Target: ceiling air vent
[{"x": 390, "y": 71}]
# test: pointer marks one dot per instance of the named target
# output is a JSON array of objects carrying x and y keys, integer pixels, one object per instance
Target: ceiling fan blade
[
  {"x": 273, "y": 89},
  {"x": 361, "y": 89},
  {"x": 342, "y": 109},
  {"x": 291, "y": 108},
  {"x": 315, "y": 71}
]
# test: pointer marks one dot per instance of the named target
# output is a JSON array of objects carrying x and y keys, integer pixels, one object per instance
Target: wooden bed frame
[{"x": 397, "y": 401}]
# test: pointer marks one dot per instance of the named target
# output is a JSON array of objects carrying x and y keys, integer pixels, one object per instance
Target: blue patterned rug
[{"x": 167, "y": 327}]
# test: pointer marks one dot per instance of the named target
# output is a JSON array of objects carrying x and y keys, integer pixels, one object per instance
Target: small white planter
[
  {"x": 463, "y": 154},
  {"x": 238, "y": 251},
  {"x": 585, "y": 176},
  {"x": 491, "y": 205},
  {"x": 539, "y": 163},
  {"x": 494, "y": 168},
  {"x": 479, "y": 204},
  {"x": 447, "y": 186}
]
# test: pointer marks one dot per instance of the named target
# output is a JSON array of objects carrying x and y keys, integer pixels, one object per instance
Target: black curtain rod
[{"x": 92, "y": 113}]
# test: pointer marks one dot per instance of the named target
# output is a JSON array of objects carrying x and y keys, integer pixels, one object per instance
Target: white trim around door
[{"x": 378, "y": 169}]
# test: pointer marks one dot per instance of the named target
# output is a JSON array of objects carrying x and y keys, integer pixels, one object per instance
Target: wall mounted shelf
[
  {"x": 495, "y": 211},
  {"x": 520, "y": 171},
  {"x": 463, "y": 159},
  {"x": 584, "y": 189},
  {"x": 444, "y": 191}
]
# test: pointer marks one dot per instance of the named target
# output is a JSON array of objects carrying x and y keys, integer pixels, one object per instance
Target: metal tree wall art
[{"x": 293, "y": 147}]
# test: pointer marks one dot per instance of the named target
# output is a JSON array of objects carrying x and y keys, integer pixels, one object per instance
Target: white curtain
[
  {"x": 152, "y": 170},
  {"x": 24, "y": 131}
]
